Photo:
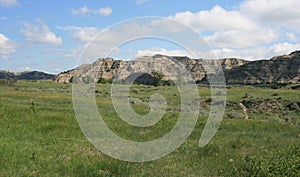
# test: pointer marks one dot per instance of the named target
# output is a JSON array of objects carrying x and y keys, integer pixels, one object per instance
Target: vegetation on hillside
[{"x": 40, "y": 136}]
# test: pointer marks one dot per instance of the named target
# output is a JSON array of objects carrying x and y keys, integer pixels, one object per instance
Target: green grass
[{"x": 39, "y": 135}]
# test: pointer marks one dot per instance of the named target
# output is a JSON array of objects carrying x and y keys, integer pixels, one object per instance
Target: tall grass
[{"x": 39, "y": 136}]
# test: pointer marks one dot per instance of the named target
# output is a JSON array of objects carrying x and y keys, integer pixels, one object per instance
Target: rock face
[
  {"x": 65, "y": 77},
  {"x": 32, "y": 75},
  {"x": 280, "y": 69}
]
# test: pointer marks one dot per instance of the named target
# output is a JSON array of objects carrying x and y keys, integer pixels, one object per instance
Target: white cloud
[
  {"x": 9, "y": 3},
  {"x": 105, "y": 11},
  {"x": 216, "y": 19},
  {"x": 74, "y": 53},
  {"x": 259, "y": 52},
  {"x": 273, "y": 11},
  {"x": 82, "y": 34},
  {"x": 242, "y": 39},
  {"x": 40, "y": 33},
  {"x": 162, "y": 51},
  {"x": 25, "y": 68},
  {"x": 291, "y": 36},
  {"x": 7, "y": 47},
  {"x": 99, "y": 42},
  {"x": 80, "y": 11},
  {"x": 283, "y": 48},
  {"x": 248, "y": 31},
  {"x": 246, "y": 53}
]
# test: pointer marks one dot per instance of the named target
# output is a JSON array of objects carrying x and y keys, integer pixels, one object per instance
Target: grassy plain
[{"x": 39, "y": 134}]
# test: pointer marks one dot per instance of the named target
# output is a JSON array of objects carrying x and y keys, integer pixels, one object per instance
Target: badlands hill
[
  {"x": 28, "y": 75},
  {"x": 278, "y": 69}
]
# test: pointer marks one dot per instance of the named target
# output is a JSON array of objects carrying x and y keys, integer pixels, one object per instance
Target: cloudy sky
[{"x": 50, "y": 35}]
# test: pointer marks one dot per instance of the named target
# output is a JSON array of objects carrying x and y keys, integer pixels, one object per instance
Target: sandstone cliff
[{"x": 279, "y": 69}]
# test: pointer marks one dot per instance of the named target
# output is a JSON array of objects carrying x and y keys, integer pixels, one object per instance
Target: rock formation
[{"x": 279, "y": 69}]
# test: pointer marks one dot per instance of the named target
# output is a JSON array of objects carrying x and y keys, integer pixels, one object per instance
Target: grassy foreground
[{"x": 39, "y": 134}]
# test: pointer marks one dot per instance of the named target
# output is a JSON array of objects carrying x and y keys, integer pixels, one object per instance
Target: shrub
[
  {"x": 208, "y": 100},
  {"x": 158, "y": 76},
  {"x": 71, "y": 79},
  {"x": 104, "y": 81}
]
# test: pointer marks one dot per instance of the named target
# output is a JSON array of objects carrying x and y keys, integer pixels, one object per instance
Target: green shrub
[
  {"x": 104, "y": 81},
  {"x": 158, "y": 78},
  {"x": 280, "y": 163}
]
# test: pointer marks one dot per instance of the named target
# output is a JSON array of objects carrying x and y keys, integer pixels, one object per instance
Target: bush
[
  {"x": 104, "y": 81},
  {"x": 169, "y": 83},
  {"x": 158, "y": 78},
  {"x": 208, "y": 100}
]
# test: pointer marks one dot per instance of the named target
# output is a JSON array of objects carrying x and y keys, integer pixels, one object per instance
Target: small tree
[
  {"x": 102, "y": 80},
  {"x": 158, "y": 78}
]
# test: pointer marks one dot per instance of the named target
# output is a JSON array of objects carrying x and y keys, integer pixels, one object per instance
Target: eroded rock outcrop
[{"x": 279, "y": 69}]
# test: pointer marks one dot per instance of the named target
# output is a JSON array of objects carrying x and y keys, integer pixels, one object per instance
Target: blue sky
[{"x": 50, "y": 35}]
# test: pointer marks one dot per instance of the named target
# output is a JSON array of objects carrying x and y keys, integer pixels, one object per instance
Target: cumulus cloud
[
  {"x": 291, "y": 36},
  {"x": 216, "y": 19},
  {"x": 257, "y": 28},
  {"x": 259, "y": 52},
  {"x": 7, "y": 47},
  {"x": 105, "y": 11},
  {"x": 273, "y": 11},
  {"x": 242, "y": 39},
  {"x": 283, "y": 48},
  {"x": 9, "y": 3},
  {"x": 80, "y": 11},
  {"x": 99, "y": 42},
  {"x": 82, "y": 34},
  {"x": 40, "y": 33},
  {"x": 162, "y": 51},
  {"x": 25, "y": 68}
]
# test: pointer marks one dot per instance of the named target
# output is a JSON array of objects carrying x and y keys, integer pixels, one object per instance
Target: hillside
[
  {"x": 29, "y": 75},
  {"x": 279, "y": 69}
]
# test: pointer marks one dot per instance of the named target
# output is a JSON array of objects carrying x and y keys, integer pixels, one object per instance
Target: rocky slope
[
  {"x": 30, "y": 75},
  {"x": 279, "y": 69}
]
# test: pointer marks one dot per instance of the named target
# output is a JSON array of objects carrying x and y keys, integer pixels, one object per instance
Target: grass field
[{"x": 39, "y": 134}]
